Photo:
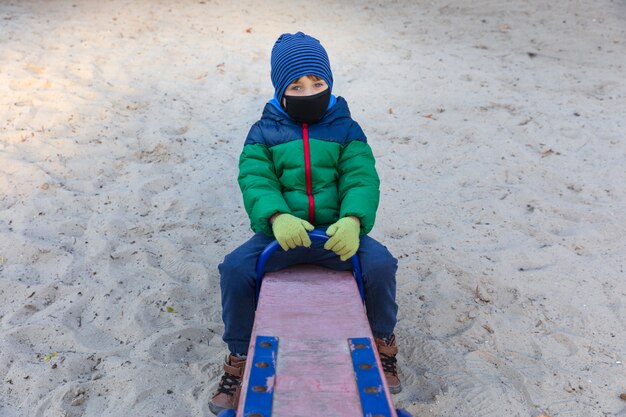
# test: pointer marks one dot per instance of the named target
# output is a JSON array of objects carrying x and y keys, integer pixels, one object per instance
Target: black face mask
[{"x": 307, "y": 109}]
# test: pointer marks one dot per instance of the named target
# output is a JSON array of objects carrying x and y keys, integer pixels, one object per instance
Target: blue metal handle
[{"x": 315, "y": 234}]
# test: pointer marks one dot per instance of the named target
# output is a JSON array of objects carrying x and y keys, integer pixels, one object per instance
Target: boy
[{"x": 305, "y": 164}]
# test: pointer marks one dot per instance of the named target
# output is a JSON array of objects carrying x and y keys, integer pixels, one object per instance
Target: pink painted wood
[{"x": 313, "y": 311}]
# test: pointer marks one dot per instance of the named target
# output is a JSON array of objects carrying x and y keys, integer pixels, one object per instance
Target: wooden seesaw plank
[{"x": 313, "y": 312}]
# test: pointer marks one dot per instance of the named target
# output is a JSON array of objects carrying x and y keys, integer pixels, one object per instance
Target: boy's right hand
[{"x": 291, "y": 231}]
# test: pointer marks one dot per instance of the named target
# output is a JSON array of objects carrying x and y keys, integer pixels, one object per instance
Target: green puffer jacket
[{"x": 319, "y": 173}]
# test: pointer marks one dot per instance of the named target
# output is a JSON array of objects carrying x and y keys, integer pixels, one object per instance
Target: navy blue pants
[{"x": 238, "y": 283}]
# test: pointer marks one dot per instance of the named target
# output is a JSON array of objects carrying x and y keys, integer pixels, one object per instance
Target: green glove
[
  {"x": 291, "y": 231},
  {"x": 344, "y": 239}
]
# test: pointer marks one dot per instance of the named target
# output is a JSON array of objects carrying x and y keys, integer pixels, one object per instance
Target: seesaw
[{"x": 312, "y": 352}]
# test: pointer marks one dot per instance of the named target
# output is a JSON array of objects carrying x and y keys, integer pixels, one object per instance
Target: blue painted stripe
[
  {"x": 260, "y": 392},
  {"x": 368, "y": 378}
]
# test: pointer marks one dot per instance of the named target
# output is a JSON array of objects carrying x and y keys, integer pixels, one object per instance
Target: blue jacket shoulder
[{"x": 275, "y": 127}]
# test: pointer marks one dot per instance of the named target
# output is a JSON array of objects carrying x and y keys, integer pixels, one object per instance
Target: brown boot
[
  {"x": 227, "y": 394},
  {"x": 387, "y": 353}
]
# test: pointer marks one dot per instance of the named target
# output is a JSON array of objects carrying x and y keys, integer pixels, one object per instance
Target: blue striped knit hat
[{"x": 294, "y": 56}]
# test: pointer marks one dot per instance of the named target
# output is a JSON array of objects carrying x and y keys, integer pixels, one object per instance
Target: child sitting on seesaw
[{"x": 306, "y": 164}]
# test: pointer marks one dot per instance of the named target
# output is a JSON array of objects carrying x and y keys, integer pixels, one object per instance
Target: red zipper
[{"x": 307, "y": 172}]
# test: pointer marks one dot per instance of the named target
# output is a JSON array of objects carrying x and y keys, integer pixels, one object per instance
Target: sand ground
[{"x": 498, "y": 129}]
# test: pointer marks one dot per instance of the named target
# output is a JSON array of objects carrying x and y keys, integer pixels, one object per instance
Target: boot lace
[
  {"x": 389, "y": 363},
  {"x": 228, "y": 384}
]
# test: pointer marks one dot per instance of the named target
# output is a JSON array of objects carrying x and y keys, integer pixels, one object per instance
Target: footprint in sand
[
  {"x": 159, "y": 153},
  {"x": 183, "y": 271},
  {"x": 74, "y": 400},
  {"x": 472, "y": 379},
  {"x": 151, "y": 317},
  {"x": 23, "y": 84},
  {"x": 426, "y": 380},
  {"x": 177, "y": 262},
  {"x": 478, "y": 391},
  {"x": 564, "y": 344},
  {"x": 64, "y": 401},
  {"x": 182, "y": 345},
  {"x": 485, "y": 363},
  {"x": 159, "y": 184},
  {"x": 21, "y": 315},
  {"x": 40, "y": 299},
  {"x": 72, "y": 228},
  {"x": 174, "y": 131}
]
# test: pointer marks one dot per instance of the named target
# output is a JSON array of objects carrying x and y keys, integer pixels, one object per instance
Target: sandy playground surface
[{"x": 498, "y": 129}]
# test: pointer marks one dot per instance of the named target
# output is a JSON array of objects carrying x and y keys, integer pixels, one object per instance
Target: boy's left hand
[{"x": 344, "y": 237}]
